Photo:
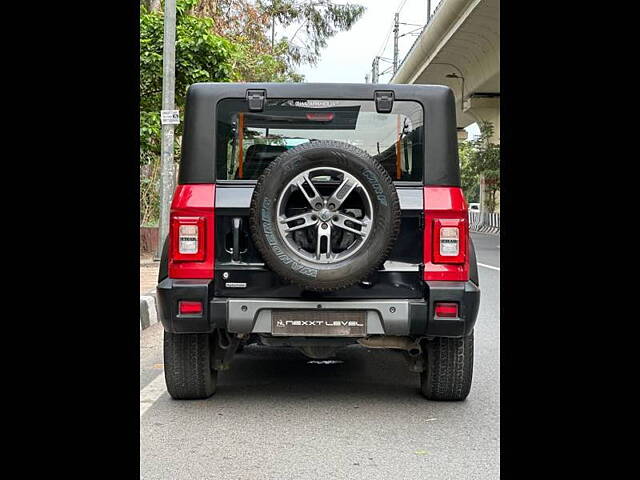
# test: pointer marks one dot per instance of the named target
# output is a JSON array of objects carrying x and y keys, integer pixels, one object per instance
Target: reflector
[
  {"x": 189, "y": 308},
  {"x": 449, "y": 310}
]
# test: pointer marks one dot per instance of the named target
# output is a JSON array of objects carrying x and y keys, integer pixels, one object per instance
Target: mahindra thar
[{"x": 316, "y": 216}]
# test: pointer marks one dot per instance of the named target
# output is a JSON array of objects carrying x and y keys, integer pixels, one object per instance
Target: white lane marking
[
  {"x": 489, "y": 266},
  {"x": 151, "y": 393}
]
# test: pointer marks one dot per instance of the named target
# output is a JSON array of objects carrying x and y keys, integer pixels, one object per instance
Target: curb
[{"x": 148, "y": 311}]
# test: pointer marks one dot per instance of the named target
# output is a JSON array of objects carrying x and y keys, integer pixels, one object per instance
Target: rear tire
[
  {"x": 187, "y": 366},
  {"x": 449, "y": 368}
]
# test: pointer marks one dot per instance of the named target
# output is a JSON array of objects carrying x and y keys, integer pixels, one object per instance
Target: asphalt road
[{"x": 277, "y": 416}]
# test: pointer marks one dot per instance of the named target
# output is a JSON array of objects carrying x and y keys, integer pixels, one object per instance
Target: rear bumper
[{"x": 253, "y": 315}]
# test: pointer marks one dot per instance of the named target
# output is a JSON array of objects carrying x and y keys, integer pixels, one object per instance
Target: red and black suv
[{"x": 316, "y": 216}]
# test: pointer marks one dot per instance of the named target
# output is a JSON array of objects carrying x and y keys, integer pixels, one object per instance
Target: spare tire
[{"x": 324, "y": 215}]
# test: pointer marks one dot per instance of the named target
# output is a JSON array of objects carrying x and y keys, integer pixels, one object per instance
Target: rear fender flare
[
  {"x": 473, "y": 263},
  {"x": 163, "y": 271}
]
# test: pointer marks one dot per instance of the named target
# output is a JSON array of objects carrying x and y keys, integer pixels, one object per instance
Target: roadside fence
[{"x": 485, "y": 222}]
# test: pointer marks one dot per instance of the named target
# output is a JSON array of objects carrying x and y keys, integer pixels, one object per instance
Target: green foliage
[
  {"x": 469, "y": 179},
  {"x": 252, "y": 66},
  {"x": 480, "y": 157},
  {"x": 201, "y": 56},
  {"x": 221, "y": 41}
]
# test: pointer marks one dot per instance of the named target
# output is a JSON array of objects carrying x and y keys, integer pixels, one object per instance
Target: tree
[
  {"x": 224, "y": 40},
  {"x": 251, "y": 24},
  {"x": 481, "y": 157},
  {"x": 201, "y": 56},
  {"x": 254, "y": 59},
  {"x": 317, "y": 20},
  {"x": 468, "y": 178}
]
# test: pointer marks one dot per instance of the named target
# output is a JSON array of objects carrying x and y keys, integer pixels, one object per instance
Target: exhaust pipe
[{"x": 391, "y": 341}]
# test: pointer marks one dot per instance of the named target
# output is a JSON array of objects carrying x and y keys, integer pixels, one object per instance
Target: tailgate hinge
[
  {"x": 384, "y": 100},
  {"x": 255, "y": 99}
]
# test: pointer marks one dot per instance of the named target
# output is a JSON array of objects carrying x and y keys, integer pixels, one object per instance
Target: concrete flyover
[{"x": 460, "y": 47}]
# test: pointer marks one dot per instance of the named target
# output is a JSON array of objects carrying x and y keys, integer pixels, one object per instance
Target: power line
[
  {"x": 384, "y": 44},
  {"x": 395, "y": 27},
  {"x": 386, "y": 40}
]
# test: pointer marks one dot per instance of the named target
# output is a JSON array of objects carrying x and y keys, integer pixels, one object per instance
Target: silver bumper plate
[
  {"x": 390, "y": 317},
  {"x": 319, "y": 323}
]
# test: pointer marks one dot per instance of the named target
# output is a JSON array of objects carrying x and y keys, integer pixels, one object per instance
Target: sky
[{"x": 348, "y": 56}]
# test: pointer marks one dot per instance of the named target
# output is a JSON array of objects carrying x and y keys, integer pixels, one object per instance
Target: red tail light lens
[
  {"x": 189, "y": 308},
  {"x": 191, "y": 232},
  {"x": 446, "y": 234},
  {"x": 446, "y": 310},
  {"x": 320, "y": 116}
]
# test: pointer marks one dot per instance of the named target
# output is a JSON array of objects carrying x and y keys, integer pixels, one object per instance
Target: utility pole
[
  {"x": 396, "y": 29},
  {"x": 167, "y": 176},
  {"x": 273, "y": 25},
  {"x": 374, "y": 69},
  {"x": 483, "y": 196},
  {"x": 366, "y": 78},
  {"x": 428, "y": 11},
  {"x": 273, "y": 32}
]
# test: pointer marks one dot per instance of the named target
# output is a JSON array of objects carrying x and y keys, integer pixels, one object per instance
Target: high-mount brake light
[
  {"x": 446, "y": 234},
  {"x": 191, "y": 232},
  {"x": 320, "y": 116}
]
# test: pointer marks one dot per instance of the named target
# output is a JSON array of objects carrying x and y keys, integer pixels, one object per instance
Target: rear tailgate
[{"x": 241, "y": 272}]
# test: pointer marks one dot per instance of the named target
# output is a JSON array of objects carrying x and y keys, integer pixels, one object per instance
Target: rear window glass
[{"x": 248, "y": 141}]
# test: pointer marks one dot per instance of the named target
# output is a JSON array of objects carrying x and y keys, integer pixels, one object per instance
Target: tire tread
[
  {"x": 286, "y": 273},
  {"x": 187, "y": 366},
  {"x": 449, "y": 371}
]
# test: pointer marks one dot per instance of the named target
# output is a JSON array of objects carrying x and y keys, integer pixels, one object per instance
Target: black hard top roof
[{"x": 441, "y": 142}]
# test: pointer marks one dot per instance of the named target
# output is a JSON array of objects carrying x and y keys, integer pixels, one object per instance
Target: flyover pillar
[{"x": 485, "y": 109}]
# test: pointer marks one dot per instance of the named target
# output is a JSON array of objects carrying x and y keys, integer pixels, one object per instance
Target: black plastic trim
[
  {"x": 163, "y": 270},
  {"x": 170, "y": 291},
  {"x": 473, "y": 264},
  {"x": 422, "y": 320},
  {"x": 466, "y": 294}
]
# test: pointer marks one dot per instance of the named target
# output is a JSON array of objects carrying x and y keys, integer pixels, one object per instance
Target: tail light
[
  {"x": 446, "y": 234},
  {"x": 191, "y": 232}
]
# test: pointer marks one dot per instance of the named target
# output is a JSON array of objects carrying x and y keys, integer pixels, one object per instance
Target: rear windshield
[{"x": 249, "y": 141}]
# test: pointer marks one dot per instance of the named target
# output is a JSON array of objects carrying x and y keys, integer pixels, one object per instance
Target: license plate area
[{"x": 319, "y": 323}]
